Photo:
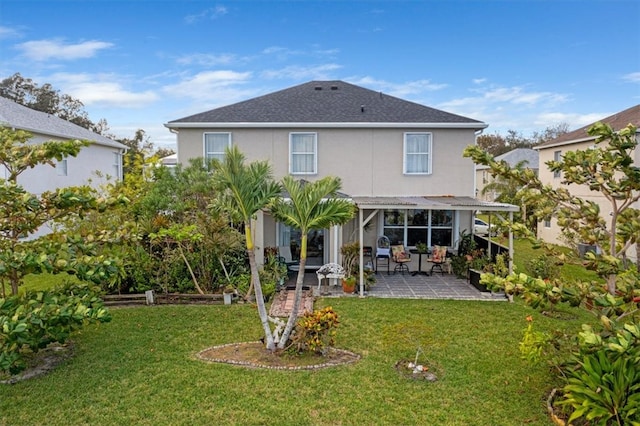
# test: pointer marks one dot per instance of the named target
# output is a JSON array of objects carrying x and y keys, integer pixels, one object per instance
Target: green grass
[
  {"x": 140, "y": 369},
  {"x": 38, "y": 282},
  {"x": 523, "y": 251}
]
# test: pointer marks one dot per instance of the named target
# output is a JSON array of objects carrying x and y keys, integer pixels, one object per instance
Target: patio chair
[
  {"x": 438, "y": 258},
  {"x": 401, "y": 257},
  {"x": 330, "y": 271},
  {"x": 383, "y": 251}
]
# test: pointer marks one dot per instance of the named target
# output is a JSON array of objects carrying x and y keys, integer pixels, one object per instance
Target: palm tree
[
  {"x": 312, "y": 206},
  {"x": 512, "y": 192},
  {"x": 246, "y": 189}
]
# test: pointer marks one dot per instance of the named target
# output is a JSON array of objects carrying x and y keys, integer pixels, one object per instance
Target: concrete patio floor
[{"x": 407, "y": 286}]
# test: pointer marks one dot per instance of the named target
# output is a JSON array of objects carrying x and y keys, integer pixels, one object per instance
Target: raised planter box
[{"x": 474, "y": 279}]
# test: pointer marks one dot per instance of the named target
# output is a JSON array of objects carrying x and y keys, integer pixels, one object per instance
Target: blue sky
[{"x": 514, "y": 64}]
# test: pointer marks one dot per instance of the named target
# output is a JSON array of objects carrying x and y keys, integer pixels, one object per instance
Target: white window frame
[
  {"x": 428, "y": 153},
  {"x": 314, "y": 153},
  {"x": 62, "y": 167},
  {"x": 214, "y": 154},
  {"x": 117, "y": 164}
]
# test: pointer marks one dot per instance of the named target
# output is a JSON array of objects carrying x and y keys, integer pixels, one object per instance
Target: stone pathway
[{"x": 283, "y": 303}]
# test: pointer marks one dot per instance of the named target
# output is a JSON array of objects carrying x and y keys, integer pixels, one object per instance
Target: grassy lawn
[
  {"x": 140, "y": 369},
  {"x": 38, "y": 282}
]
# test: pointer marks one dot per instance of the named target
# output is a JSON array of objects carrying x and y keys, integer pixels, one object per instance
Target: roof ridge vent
[
  {"x": 334, "y": 87},
  {"x": 318, "y": 88}
]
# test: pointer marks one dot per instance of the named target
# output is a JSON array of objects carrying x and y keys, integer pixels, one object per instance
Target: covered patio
[
  {"x": 407, "y": 286},
  {"x": 463, "y": 209}
]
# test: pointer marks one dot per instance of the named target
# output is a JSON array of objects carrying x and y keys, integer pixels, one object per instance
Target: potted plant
[
  {"x": 349, "y": 284},
  {"x": 350, "y": 253},
  {"x": 422, "y": 247}
]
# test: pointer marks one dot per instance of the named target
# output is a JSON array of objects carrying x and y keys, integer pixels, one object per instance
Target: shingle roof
[
  {"x": 513, "y": 157},
  {"x": 327, "y": 102},
  {"x": 616, "y": 121},
  {"x": 20, "y": 117}
]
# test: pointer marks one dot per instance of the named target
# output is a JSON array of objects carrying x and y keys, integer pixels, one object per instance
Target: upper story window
[
  {"x": 215, "y": 145},
  {"x": 557, "y": 156},
  {"x": 417, "y": 153},
  {"x": 303, "y": 153}
]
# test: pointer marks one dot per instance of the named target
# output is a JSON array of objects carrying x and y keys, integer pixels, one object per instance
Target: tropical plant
[
  {"x": 312, "y": 206},
  {"x": 23, "y": 213},
  {"x": 315, "y": 331},
  {"x": 245, "y": 190},
  {"x": 609, "y": 171},
  {"x": 513, "y": 192},
  {"x": 31, "y": 321}
]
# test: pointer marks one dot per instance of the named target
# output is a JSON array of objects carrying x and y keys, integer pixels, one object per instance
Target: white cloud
[
  {"x": 6, "y": 32},
  {"x": 43, "y": 50},
  {"x": 479, "y": 80},
  {"x": 297, "y": 72},
  {"x": 402, "y": 90},
  {"x": 216, "y": 86},
  {"x": 208, "y": 59},
  {"x": 575, "y": 120},
  {"x": 102, "y": 90},
  {"x": 211, "y": 13},
  {"x": 633, "y": 77}
]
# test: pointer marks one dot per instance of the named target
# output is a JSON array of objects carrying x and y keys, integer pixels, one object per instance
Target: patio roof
[{"x": 442, "y": 202}]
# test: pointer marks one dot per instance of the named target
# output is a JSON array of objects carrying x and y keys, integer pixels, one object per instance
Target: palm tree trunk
[
  {"x": 193, "y": 276},
  {"x": 255, "y": 282},
  {"x": 293, "y": 316}
]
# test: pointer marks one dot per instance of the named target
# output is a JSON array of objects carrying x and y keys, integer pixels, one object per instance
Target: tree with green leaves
[
  {"x": 311, "y": 206},
  {"x": 45, "y": 98},
  {"x": 23, "y": 213},
  {"x": 513, "y": 192},
  {"x": 602, "y": 370},
  {"x": 244, "y": 191}
]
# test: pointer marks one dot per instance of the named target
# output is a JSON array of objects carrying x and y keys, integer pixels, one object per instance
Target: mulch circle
[
  {"x": 42, "y": 362},
  {"x": 255, "y": 355}
]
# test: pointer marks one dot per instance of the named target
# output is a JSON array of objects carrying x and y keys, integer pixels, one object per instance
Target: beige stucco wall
[
  {"x": 553, "y": 234},
  {"x": 369, "y": 161}
]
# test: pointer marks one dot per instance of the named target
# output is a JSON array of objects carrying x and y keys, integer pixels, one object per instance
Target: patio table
[{"x": 419, "y": 271}]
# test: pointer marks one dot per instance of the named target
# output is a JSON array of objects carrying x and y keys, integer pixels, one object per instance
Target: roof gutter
[{"x": 255, "y": 125}]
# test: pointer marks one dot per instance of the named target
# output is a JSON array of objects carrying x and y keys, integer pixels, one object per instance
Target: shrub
[
  {"x": 32, "y": 321},
  {"x": 315, "y": 331},
  {"x": 543, "y": 266}
]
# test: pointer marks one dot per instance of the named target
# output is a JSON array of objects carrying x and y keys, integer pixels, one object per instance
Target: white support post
[
  {"x": 510, "y": 244},
  {"x": 361, "y": 254}
]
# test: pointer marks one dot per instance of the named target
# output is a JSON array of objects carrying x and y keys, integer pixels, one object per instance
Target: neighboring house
[
  {"x": 527, "y": 156},
  {"x": 580, "y": 140},
  {"x": 400, "y": 162},
  {"x": 103, "y": 155},
  {"x": 169, "y": 161}
]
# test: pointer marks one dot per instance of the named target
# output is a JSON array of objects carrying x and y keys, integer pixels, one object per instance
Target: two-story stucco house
[
  {"x": 400, "y": 162},
  {"x": 103, "y": 155},
  {"x": 580, "y": 140}
]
